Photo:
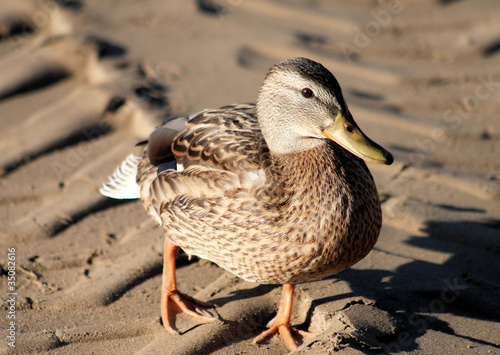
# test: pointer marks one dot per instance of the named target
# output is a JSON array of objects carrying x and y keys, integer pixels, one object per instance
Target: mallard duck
[{"x": 276, "y": 193}]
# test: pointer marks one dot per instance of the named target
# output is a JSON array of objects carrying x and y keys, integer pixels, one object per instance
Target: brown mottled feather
[
  {"x": 280, "y": 218},
  {"x": 228, "y": 139}
]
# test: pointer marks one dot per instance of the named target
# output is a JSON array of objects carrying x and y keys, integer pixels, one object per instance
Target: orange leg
[
  {"x": 172, "y": 300},
  {"x": 281, "y": 323}
]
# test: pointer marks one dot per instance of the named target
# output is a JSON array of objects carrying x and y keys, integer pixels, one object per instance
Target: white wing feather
[{"x": 122, "y": 184}]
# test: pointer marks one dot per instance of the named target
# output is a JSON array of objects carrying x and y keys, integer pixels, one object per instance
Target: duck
[{"x": 276, "y": 192}]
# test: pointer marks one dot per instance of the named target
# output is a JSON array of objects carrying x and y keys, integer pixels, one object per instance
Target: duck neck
[
  {"x": 331, "y": 178},
  {"x": 309, "y": 173}
]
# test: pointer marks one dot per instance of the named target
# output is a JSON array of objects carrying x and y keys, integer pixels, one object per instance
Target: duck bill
[{"x": 349, "y": 136}]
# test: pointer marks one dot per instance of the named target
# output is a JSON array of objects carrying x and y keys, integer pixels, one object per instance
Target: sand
[{"x": 82, "y": 81}]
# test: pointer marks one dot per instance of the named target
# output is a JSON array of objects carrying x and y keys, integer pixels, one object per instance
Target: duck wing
[
  {"x": 221, "y": 151},
  {"x": 228, "y": 139}
]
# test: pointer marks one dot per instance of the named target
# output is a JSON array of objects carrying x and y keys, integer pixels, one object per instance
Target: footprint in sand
[{"x": 67, "y": 93}]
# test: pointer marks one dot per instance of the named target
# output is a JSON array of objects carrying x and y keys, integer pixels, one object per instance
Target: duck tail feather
[{"x": 123, "y": 183}]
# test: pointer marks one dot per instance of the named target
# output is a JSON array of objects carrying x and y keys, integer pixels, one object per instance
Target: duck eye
[{"x": 306, "y": 92}]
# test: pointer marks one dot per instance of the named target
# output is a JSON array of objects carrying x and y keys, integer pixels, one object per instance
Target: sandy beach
[{"x": 81, "y": 82}]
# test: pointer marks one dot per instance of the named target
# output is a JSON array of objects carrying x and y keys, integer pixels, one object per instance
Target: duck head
[{"x": 300, "y": 105}]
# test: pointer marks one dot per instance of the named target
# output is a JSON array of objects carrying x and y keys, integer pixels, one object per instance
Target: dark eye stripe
[{"x": 306, "y": 92}]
